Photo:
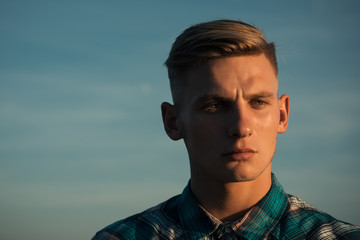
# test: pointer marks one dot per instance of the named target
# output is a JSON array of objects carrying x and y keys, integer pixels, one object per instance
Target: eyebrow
[
  {"x": 219, "y": 97},
  {"x": 262, "y": 94},
  {"x": 212, "y": 97}
]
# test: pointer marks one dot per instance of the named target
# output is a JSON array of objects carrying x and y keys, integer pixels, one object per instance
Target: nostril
[{"x": 240, "y": 132}]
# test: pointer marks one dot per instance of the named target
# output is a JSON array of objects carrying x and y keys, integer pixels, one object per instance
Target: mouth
[{"x": 239, "y": 154}]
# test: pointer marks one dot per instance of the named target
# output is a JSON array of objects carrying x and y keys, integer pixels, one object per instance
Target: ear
[
  {"x": 171, "y": 121},
  {"x": 284, "y": 105}
]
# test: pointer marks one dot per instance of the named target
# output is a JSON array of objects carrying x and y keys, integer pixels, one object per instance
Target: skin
[{"x": 229, "y": 115}]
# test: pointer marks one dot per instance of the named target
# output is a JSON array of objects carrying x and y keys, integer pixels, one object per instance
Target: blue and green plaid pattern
[{"x": 277, "y": 216}]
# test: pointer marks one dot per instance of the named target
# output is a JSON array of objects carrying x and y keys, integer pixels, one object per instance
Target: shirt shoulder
[
  {"x": 158, "y": 222},
  {"x": 303, "y": 221}
]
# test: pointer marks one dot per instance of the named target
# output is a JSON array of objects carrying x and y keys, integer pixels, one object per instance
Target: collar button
[{"x": 228, "y": 229}]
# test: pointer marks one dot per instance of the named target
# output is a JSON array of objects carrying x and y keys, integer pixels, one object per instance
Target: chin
[
  {"x": 241, "y": 178},
  {"x": 242, "y": 175},
  {"x": 244, "y": 178}
]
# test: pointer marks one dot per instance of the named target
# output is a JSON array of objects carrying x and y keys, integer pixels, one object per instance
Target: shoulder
[
  {"x": 304, "y": 221},
  {"x": 154, "y": 222}
]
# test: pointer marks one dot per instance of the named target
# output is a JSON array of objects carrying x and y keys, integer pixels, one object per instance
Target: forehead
[{"x": 232, "y": 75}]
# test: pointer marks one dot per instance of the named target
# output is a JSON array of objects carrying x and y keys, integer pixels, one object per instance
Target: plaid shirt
[{"x": 276, "y": 216}]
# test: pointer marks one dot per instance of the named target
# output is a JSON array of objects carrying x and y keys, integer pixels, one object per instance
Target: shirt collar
[
  {"x": 266, "y": 214},
  {"x": 196, "y": 223},
  {"x": 256, "y": 224}
]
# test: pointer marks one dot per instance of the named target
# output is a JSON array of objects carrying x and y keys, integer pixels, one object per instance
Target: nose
[{"x": 240, "y": 124}]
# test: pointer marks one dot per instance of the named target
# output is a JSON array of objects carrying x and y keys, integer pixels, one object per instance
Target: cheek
[
  {"x": 202, "y": 129},
  {"x": 267, "y": 123},
  {"x": 201, "y": 132},
  {"x": 193, "y": 129}
]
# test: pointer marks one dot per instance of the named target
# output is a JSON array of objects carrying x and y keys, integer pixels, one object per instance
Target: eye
[
  {"x": 213, "y": 107},
  {"x": 258, "y": 103}
]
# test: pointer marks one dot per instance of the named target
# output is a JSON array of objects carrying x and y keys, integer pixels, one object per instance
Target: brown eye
[
  {"x": 215, "y": 105},
  {"x": 212, "y": 107}
]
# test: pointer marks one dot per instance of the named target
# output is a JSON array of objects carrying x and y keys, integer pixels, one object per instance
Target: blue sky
[{"x": 81, "y": 83}]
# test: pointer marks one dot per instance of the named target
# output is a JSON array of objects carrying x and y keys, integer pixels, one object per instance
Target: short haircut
[{"x": 210, "y": 40}]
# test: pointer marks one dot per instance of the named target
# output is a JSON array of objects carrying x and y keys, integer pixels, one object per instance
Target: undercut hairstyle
[{"x": 210, "y": 40}]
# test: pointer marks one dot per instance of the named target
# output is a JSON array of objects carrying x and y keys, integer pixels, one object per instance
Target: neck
[{"x": 230, "y": 201}]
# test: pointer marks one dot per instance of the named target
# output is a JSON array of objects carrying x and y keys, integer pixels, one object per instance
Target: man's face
[{"x": 229, "y": 118}]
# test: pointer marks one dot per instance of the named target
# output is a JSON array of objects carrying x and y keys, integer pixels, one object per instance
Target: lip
[{"x": 239, "y": 154}]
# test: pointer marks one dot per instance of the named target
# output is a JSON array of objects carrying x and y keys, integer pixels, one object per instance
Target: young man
[{"x": 224, "y": 82}]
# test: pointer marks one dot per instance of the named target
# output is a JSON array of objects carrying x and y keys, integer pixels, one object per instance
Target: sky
[{"x": 81, "y": 82}]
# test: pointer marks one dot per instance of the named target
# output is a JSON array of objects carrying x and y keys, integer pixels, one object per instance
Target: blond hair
[{"x": 221, "y": 38}]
